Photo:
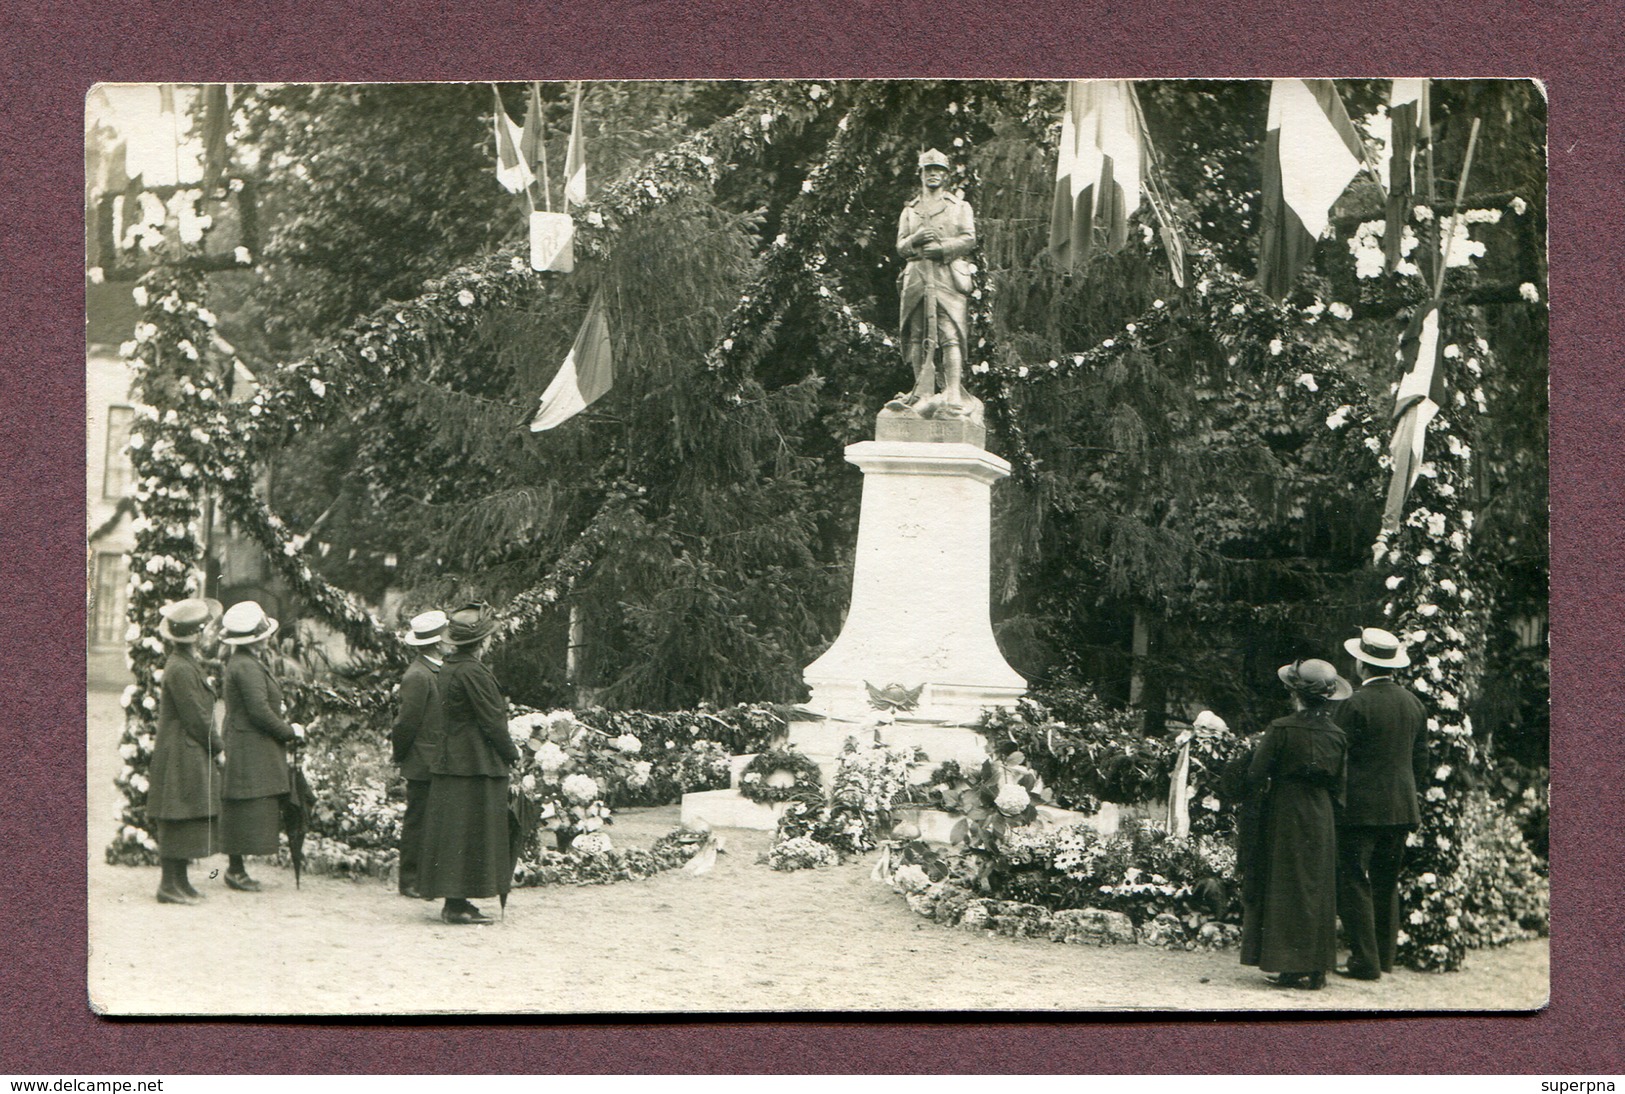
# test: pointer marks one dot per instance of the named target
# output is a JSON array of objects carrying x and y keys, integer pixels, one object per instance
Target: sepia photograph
[{"x": 707, "y": 547}]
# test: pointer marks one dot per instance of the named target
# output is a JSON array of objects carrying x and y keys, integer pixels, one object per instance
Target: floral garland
[
  {"x": 807, "y": 779},
  {"x": 869, "y": 780},
  {"x": 171, "y": 370}
]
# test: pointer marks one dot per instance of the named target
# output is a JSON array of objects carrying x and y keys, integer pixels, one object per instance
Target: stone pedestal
[{"x": 919, "y": 610}]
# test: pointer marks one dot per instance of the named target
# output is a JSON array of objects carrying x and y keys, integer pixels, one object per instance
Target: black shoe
[
  {"x": 175, "y": 896},
  {"x": 411, "y": 891},
  {"x": 464, "y": 917},
  {"x": 1354, "y": 972},
  {"x": 242, "y": 883},
  {"x": 1314, "y": 981},
  {"x": 1286, "y": 980}
]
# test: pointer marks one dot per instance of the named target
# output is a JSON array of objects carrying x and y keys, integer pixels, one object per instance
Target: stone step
[{"x": 730, "y": 809}]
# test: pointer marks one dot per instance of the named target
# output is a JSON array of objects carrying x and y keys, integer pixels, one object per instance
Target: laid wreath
[{"x": 807, "y": 780}]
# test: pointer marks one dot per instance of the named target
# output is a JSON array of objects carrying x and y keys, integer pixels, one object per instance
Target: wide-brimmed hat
[
  {"x": 1376, "y": 646},
  {"x": 933, "y": 158},
  {"x": 185, "y": 620},
  {"x": 469, "y": 624},
  {"x": 246, "y": 622},
  {"x": 1314, "y": 677},
  {"x": 427, "y": 629}
]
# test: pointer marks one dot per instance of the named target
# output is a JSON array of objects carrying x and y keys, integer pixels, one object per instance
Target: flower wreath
[{"x": 809, "y": 778}]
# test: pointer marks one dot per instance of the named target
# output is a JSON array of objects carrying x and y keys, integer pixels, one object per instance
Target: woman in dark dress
[
  {"x": 1296, "y": 773},
  {"x": 183, "y": 798},
  {"x": 257, "y": 739},
  {"x": 465, "y": 831}
]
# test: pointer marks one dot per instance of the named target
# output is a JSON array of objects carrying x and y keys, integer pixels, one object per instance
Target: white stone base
[
  {"x": 937, "y": 826},
  {"x": 919, "y": 611}
]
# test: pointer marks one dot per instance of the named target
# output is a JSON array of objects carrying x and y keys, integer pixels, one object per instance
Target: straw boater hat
[
  {"x": 184, "y": 620},
  {"x": 246, "y": 622},
  {"x": 1315, "y": 677},
  {"x": 1378, "y": 647},
  {"x": 427, "y": 629},
  {"x": 469, "y": 624}
]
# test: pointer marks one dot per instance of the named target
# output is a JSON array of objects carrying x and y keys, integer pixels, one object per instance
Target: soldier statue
[{"x": 934, "y": 234}]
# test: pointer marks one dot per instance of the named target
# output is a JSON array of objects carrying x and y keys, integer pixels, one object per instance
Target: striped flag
[
  {"x": 587, "y": 372},
  {"x": 1311, "y": 154},
  {"x": 512, "y": 171},
  {"x": 1100, "y": 173},
  {"x": 1407, "y": 109},
  {"x": 1421, "y": 393},
  {"x": 575, "y": 161},
  {"x": 533, "y": 142}
]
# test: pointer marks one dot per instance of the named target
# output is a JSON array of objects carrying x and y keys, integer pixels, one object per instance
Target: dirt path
[{"x": 743, "y": 938}]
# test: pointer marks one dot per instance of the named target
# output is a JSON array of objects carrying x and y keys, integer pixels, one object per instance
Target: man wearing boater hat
[
  {"x": 1387, "y": 738},
  {"x": 415, "y": 736}
]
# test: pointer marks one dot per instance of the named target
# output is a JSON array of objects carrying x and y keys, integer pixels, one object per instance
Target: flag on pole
[
  {"x": 512, "y": 171},
  {"x": 1311, "y": 154},
  {"x": 216, "y": 128},
  {"x": 1406, "y": 110},
  {"x": 1421, "y": 393},
  {"x": 587, "y": 372},
  {"x": 575, "y": 161},
  {"x": 1100, "y": 172},
  {"x": 552, "y": 241},
  {"x": 533, "y": 142}
]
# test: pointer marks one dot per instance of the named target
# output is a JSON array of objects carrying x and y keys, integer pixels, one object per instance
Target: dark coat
[
  {"x": 476, "y": 740},
  {"x": 419, "y": 721},
  {"x": 184, "y": 781},
  {"x": 1299, "y": 769},
  {"x": 256, "y": 732},
  {"x": 1388, "y": 758}
]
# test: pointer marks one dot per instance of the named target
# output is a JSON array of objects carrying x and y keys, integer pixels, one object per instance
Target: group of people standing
[
  {"x": 223, "y": 791},
  {"x": 1328, "y": 798}
]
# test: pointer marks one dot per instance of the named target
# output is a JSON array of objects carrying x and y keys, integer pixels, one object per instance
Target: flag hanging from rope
[
  {"x": 1421, "y": 393},
  {"x": 587, "y": 372},
  {"x": 512, "y": 171},
  {"x": 1407, "y": 108},
  {"x": 1311, "y": 154},
  {"x": 1100, "y": 172},
  {"x": 575, "y": 161}
]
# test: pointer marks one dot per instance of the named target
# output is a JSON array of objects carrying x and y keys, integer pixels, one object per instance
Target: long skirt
[
  {"x": 194, "y": 837},
  {"x": 251, "y": 826},
  {"x": 465, "y": 838},
  {"x": 1290, "y": 925}
]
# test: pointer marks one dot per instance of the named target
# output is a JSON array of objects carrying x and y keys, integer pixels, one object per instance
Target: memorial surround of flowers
[{"x": 1469, "y": 880}]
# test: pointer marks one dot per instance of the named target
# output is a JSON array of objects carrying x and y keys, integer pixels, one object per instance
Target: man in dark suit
[
  {"x": 1386, "y": 728},
  {"x": 415, "y": 736}
]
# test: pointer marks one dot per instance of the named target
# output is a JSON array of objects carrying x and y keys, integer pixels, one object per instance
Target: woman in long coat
[
  {"x": 183, "y": 798},
  {"x": 465, "y": 834},
  {"x": 257, "y": 739},
  {"x": 1297, "y": 771}
]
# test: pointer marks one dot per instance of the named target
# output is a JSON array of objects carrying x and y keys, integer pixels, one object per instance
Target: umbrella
[
  {"x": 296, "y": 810},
  {"x": 523, "y": 815}
]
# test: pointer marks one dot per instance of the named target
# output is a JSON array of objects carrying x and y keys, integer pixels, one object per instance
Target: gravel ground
[{"x": 740, "y": 939}]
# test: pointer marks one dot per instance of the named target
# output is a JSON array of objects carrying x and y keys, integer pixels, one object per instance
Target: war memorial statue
[{"x": 934, "y": 234}]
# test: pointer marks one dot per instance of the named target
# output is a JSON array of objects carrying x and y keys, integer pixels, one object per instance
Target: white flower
[
  {"x": 1108, "y": 343},
  {"x": 1158, "y": 304},
  {"x": 1341, "y": 311},
  {"x": 465, "y": 297},
  {"x": 911, "y": 878},
  {"x": 550, "y": 758},
  {"x": 1307, "y": 382},
  {"x": 1339, "y": 418},
  {"x": 592, "y": 843},
  {"x": 1209, "y": 720},
  {"x": 1519, "y": 206},
  {"x": 595, "y": 218},
  {"x": 139, "y": 293},
  {"x": 580, "y": 789},
  {"x": 1394, "y": 581},
  {"x": 317, "y": 387},
  {"x": 1012, "y": 799},
  {"x": 1528, "y": 291},
  {"x": 241, "y": 256},
  {"x": 1210, "y": 803},
  {"x": 1435, "y": 794},
  {"x": 626, "y": 742}
]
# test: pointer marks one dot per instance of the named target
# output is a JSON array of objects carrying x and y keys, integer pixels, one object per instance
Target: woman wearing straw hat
[
  {"x": 183, "y": 799},
  {"x": 257, "y": 738},
  {"x": 1298, "y": 769},
  {"x": 465, "y": 834}
]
